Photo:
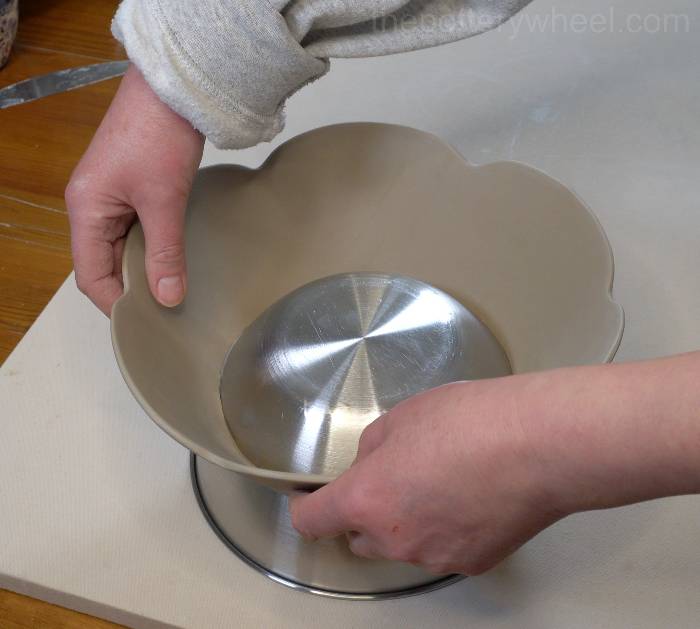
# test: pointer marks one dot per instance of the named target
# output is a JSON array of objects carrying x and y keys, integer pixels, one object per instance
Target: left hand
[
  {"x": 447, "y": 480},
  {"x": 141, "y": 162}
]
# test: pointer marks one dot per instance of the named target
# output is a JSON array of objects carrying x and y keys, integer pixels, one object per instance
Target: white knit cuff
[{"x": 229, "y": 80}]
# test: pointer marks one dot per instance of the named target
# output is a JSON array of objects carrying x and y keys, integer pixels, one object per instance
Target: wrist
[{"x": 138, "y": 96}]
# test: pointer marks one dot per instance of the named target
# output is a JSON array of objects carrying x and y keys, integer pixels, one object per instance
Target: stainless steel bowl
[{"x": 314, "y": 369}]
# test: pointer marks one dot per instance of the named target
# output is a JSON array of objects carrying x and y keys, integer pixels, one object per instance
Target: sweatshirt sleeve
[{"x": 228, "y": 66}]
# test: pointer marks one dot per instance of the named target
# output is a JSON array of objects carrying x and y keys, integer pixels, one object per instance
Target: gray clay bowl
[{"x": 514, "y": 246}]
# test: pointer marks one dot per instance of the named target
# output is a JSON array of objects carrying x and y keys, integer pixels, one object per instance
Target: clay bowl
[{"x": 512, "y": 245}]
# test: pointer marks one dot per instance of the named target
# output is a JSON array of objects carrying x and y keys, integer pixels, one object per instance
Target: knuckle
[
  {"x": 367, "y": 437},
  {"x": 172, "y": 254},
  {"x": 77, "y": 190},
  {"x": 373, "y": 433},
  {"x": 356, "y": 505}
]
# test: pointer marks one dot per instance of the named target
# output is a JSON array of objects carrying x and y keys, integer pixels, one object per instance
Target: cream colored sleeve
[{"x": 229, "y": 65}]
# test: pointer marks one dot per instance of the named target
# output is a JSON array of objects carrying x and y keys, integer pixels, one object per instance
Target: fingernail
[{"x": 170, "y": 290}]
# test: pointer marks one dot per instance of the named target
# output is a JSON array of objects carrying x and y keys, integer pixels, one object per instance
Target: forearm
[{"x": 605, "y": 436}]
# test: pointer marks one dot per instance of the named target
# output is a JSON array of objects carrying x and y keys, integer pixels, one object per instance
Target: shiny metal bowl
[{"x": 314, "y": 369}]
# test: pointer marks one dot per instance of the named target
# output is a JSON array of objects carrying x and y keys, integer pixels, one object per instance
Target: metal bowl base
[{"x": 252, "y": 521}]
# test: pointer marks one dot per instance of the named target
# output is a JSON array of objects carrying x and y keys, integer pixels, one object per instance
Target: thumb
[
  {"x": 323, "y": 513},
  {"x": 163, "y": 228}
]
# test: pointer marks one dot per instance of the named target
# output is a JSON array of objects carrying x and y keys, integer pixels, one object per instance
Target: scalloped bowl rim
[{"x": 301, "y": 480}]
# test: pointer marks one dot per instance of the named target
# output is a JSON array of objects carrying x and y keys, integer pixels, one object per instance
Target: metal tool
[
  {"x": 61, "y": 81},
  {"x": 302, "y": 382}
]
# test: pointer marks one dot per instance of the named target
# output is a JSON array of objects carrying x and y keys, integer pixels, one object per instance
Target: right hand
[
  {"x": 141, "y": 163},
  {"x": 456, "y": 478},
  {"x": 447, "y": 480}
]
